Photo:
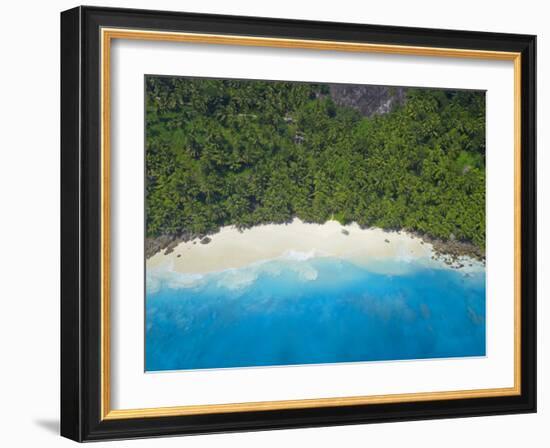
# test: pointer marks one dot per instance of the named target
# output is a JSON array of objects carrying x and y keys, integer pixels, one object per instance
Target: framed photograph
[{"x": 274, "y": 224}]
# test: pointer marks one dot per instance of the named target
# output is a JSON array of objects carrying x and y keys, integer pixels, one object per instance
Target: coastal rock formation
[
  {"x": 166, "y": 243},
  {"x": 368, "y": 100},
  {"x": 154, "y": 245},
  {"x": 452, "y": 250}
]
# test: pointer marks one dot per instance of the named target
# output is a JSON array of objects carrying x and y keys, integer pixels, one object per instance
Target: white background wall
[{"x": 29, "y": 223}]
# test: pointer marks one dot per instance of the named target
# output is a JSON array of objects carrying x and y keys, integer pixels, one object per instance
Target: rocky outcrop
[
  {"x": 451, "y": 251},
  {"x": 166, "y": 243},
  {"x": 368, "y": 100},
  {"x": 154, "y": 245}
]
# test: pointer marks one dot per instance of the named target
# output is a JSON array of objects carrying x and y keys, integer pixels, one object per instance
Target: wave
[
  {"x": 158, "y": 278},
  {"x": 298, "y": 266},
  {"x": 236, "y": 278},
  {"x": 299, "y": 256}
]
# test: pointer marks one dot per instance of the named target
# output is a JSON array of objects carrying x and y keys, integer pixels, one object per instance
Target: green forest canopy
[{"x": 238, "y": 152}]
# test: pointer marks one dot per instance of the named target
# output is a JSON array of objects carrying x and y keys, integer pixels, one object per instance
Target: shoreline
[{"x": 231, "y": 248}]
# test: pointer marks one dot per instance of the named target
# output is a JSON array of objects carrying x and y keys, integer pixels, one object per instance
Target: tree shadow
[{"x": 50, "y": 425}]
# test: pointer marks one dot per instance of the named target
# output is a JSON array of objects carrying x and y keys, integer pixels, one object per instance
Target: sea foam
[{"x": 235, "y": 278}]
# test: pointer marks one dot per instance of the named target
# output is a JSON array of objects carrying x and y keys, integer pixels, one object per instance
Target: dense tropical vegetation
[{"x": 222, "y": 152}]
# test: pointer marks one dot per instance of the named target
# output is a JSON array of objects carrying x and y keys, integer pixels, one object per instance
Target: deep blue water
[{"x": 321, "y": 310}]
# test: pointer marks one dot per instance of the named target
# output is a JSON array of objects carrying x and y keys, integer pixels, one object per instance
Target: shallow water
[{"x": 308, "y": 310}]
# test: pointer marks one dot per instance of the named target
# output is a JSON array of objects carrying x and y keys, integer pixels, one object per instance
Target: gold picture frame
[{"x": 108, "y": 30}]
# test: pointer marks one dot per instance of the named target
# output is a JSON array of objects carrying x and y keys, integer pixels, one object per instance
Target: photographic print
[
  {"x": 272, "y": 223},
  {"x": 293, "y": 223}
]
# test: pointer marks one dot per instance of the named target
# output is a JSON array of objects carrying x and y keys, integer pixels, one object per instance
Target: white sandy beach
[{"x": 231, "y": 248}]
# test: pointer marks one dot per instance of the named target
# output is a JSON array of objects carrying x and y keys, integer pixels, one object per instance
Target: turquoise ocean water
[{"x": 313, "y": 310}]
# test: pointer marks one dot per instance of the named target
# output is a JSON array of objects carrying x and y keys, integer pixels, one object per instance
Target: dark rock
[
  {"x": 165, "y": 242},
  {"x": 368, "y": 100},
  {"x": 345, "y": 232},
  {"x": 206, "y": 240},
  {"x": 171, "y": 246},
  {"x": 154, "y": 245},
  {"x": 453, "y": 249},
  {"x": 386, "y": 240}
]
